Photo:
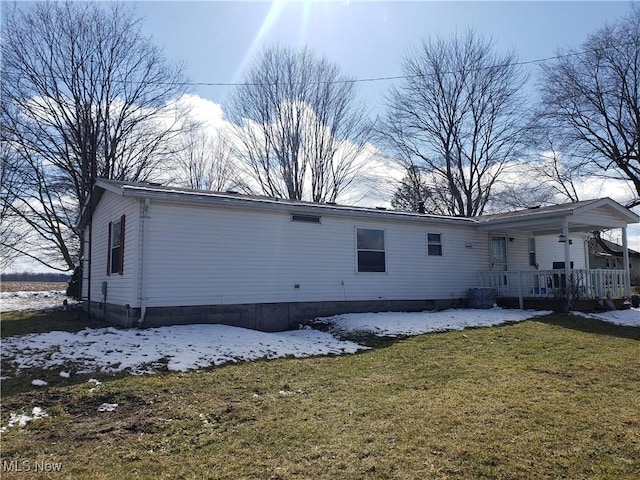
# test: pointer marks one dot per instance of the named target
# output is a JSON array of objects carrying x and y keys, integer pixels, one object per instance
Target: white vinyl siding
[
  {"x": 121, "y": 289},
  {"x": 549, "y": 250},
  {"x": 203, "y": 255}
]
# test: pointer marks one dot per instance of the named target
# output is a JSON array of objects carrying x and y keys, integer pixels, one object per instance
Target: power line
[
  {"x": 383, "y": 78},
  {"x": 349, "y": 80}
]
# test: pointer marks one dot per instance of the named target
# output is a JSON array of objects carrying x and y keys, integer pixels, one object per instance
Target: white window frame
[
  {"x": 430, "y": 243},
  {"x": 384, "y": 251}
]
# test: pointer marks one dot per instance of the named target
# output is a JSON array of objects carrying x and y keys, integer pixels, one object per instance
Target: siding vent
[{"x": 295, "y": 217}]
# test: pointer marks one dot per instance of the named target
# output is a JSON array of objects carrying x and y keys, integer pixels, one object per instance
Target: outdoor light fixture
[{"x": 563, "y": 239}]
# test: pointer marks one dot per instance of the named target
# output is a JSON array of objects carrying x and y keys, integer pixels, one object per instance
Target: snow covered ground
[
  {"x": 14, "y": 301},
  {"x": 630, "y": 318},
  {"x": 393, "y": 324},
  {"x": 188, "y": 347}
]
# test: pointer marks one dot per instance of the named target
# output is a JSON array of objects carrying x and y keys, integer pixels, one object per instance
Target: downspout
[{"x": 141, "y": 292}]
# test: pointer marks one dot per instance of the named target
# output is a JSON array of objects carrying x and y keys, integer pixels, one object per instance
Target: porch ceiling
[{"x": 587, "y": 216}]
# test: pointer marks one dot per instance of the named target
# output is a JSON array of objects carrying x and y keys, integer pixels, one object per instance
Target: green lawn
[{"x": 558, "y": 397}]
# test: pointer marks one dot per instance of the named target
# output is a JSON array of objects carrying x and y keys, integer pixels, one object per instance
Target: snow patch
[
  {"x": 21, "y": 419},
  {"x": 107, "y": 407},
  {"x": 393, "y": 324},
  {"x": 177, "y": 348},
  {"x": 629, "y": 318}
]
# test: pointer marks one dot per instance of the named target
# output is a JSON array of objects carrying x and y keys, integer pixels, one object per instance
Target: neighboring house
[
  {"x": 160, "y": 255},
  {"x": 608, "y": 255}
]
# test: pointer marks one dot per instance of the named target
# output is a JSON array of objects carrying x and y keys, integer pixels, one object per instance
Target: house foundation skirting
[{"x": 267, "y": 317}]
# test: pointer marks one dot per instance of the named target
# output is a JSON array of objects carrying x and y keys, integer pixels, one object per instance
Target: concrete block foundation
[{"x": 266, "y": 317}]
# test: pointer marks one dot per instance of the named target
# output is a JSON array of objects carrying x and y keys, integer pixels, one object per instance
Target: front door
[
  {"x": 499, "y": 258},
  {"x": 499, "y": 254}
]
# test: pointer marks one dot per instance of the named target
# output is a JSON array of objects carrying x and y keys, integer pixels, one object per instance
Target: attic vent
[
  {"x": 381, "y": 208},
  {"x": 232, "y": 192},
  {"x": 295, "y": 217},
  {"x": 535, "y": 207}
]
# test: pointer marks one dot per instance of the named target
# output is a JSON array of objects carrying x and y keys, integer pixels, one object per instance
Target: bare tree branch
[
  {"x": 205, "y": 162},
  {"x": 458, "y": 116},
  {"x": 84, "y": 95},
  {"x": 591, "y": 103},
  {"x": 300, "y": 132}
]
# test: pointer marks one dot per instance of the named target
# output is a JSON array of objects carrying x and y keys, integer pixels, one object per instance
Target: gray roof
[
  {"x": 518, "y": 219},
  {"x": 187, "y": 195}
]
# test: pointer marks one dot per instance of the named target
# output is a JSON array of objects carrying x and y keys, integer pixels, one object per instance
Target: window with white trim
[
  {"x": 115, "y": 251},
  {"x": 434, "y": 244},
  {"x": 370, "y": 250}
]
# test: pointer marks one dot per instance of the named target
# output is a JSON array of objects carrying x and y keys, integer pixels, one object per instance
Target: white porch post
[
  {"x": 567, "y": 251},
  {"x": 567, "y": 259},
  {"x": 625, "y": 259}
]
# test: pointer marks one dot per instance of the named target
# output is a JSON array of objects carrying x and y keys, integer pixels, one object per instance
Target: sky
[{"x": 217, "y": 41}]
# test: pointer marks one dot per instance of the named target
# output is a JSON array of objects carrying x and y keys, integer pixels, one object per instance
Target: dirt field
[{"x": 32, "y": 286}]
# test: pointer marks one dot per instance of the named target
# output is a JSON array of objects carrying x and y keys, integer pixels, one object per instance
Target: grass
[
  {"x": 553, "y": 398},
  {"x": 73, "y": 319}
]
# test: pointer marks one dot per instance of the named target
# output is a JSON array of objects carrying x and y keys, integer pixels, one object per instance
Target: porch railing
[{"x": 553, "y": 283}]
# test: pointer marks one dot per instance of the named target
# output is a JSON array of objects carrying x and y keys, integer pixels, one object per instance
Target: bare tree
[
  {"x": 458, "y": 116},
  {"x": 84, "y": 95},
  {"x": 413, "y": 191},
  {"x": 205, "y": 161},
  {"x": 591, "y": 103},
  {"x": 300, "y": 133},
  {"x": 12, "y": 232}
]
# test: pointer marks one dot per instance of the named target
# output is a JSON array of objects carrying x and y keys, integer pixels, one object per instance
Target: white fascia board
[{"x": 622, "y": 211}]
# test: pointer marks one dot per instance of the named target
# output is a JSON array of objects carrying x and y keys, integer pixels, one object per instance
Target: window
[
  {"x": 295, "y": 217},
  {"x": 371, "y": 254},
  {"x": 434, "y": 244},
  {"x": 115, "y": 253},
  {"x": 532, "y": 252}
]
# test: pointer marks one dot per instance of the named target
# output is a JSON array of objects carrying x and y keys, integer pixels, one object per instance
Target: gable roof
[
  {"x": 588, "y": 215},
  {"x": 584, "y": 216},
  {"x": 239, "y": 200}
]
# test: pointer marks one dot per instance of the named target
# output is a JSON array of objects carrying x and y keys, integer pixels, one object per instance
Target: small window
[
  {"x": 371, "y": 253},
  {"x": 295, "y": 217},
  {"x": 115, "y": 253},
  {"x": 434, "y": 244},
  {"x": 532, "y": 252}
]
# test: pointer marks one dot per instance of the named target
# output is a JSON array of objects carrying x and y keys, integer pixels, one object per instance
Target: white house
[{"x": 159, "y": 255}]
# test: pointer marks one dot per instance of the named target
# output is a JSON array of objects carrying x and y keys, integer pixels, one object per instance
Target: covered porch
[{"x": 558, "y": 233}]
